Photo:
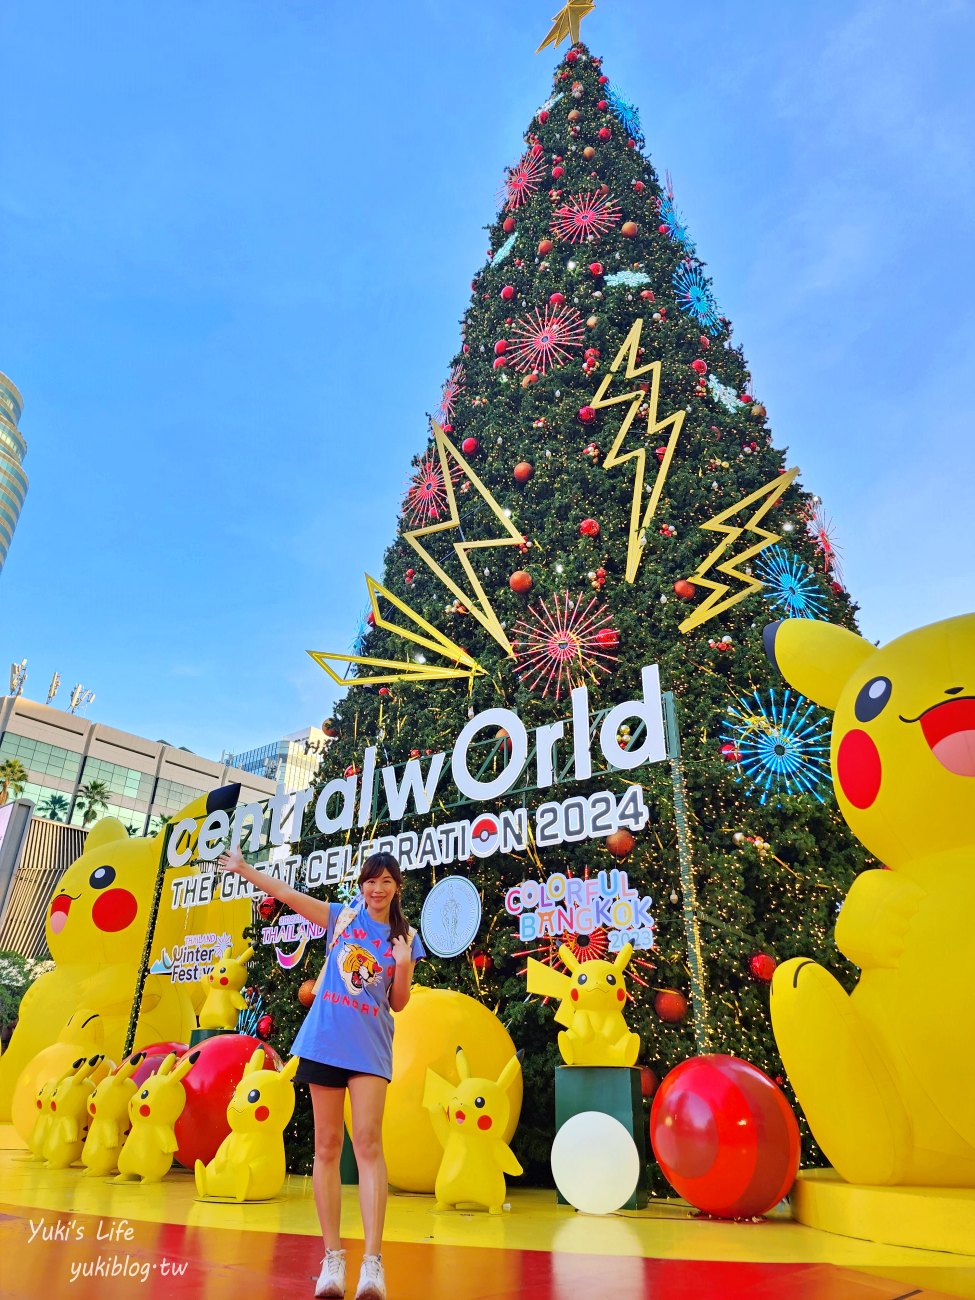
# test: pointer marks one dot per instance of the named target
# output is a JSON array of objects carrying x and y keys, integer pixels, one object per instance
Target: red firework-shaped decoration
[
  {"x": 426, "y": 499},
  {"x": 820, "y": 528},
  {"x": 541, "y": 341},
  {"x": 588, "y": 947},
  {"x": 524, "y": 178},
  {"x": 585, "y": 216},
  {"x": 558, "y": 648},
  {"x": 452, "y": 389}
]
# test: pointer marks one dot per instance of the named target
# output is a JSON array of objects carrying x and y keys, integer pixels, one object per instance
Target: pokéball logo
[{"x": 485, "y": 834}]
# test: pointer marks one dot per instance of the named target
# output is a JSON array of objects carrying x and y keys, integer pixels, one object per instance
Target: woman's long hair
[{"x": 374, "y": 866}]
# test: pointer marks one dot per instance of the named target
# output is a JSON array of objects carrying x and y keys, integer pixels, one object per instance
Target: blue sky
[{"x": 236, "y": 239}]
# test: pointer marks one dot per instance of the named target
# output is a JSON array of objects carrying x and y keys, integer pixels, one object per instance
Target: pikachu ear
[
  {"x": 545, "y": 981},
  {"x": 568, "y": 958},
  {"x": 168, "y": 1064},
  {"x": 256, "y": 1062},
  {"x": 463, "y": 1069},
  {"x": 246, "y": 955},
  {"x": 226, "y": 953},
  {"x": 816, "y": 658},
  {"x": 290, "y": 1066},
  {"x": 184, "y": 1067},
  {"x": 623, "y": 958},
  {"x": 105, "y": 831},
  {"x": 510, "y": 1072}
]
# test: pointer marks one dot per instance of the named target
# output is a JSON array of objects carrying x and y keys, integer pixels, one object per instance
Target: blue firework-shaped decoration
[
  {"x": 694, "y": 296},
  {"x": 626, "y": 114},
  {"x": 671, "y": 222},
  {"x": 247, "y": 1018},
  {"x": 780, "y": 743},
  {"x": 633, "y": 279},
  {"x": 505, "y": 249},
  {"x": 790, "y": 585}
]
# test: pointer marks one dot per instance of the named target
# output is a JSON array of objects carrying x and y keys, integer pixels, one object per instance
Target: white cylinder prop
[{"x": 595, "y": 1163}]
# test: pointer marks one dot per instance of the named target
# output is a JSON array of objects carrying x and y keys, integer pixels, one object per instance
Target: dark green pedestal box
[
  {"x": 201, "y": 1035},
  {"x": 614, "y": 1090}
]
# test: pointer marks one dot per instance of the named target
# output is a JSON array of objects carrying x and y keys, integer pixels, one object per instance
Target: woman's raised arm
[{"x": 312, "y": 909}]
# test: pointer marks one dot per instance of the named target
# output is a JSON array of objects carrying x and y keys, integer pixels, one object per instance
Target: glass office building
[
  {"x": 291, "y": 762},
  {"x": 13, "y": 449}
]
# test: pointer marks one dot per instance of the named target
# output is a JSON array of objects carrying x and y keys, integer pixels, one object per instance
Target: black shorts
[{"x": 326, "y": 1076}]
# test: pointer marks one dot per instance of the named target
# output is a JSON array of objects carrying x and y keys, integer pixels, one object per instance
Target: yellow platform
[{"x": 932, "y": 1218}]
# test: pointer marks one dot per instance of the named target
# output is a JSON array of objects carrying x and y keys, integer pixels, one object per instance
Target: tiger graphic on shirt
[{"x": 358, "y": 967}]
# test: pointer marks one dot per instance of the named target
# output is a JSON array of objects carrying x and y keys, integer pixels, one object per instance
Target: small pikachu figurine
[
  {"x": 223, "y": 985},
  {"x": 147, "y": 1152},
  {"x": 45, "y": 1116},
  {"x": 108, "y": 1107},
  {"x": 590, "y": 1007},
  {"x": 68, "y": 1128},
  {"x": 249, "y": 1164},
  {"x": 468, "y": 1119}
]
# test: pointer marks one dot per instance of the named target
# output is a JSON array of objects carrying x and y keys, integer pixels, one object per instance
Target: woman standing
[{"x": 346, "y": 1041}]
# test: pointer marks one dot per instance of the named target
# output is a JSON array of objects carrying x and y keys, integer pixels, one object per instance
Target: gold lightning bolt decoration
[
  {"x": 640, "y": 516},
  {"x": 396, "y": 670},
  {"x": 477, "y": 603},
  {"x": 769, "y": 494},
  {"x": 566, "y": 23}
]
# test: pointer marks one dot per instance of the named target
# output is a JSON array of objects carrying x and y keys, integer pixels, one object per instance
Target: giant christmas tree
[{"x": 598, "y": 492}]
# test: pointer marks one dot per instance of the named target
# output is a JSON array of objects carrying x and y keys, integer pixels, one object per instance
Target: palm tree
[
  {"x": 90, "y": 800},
  {"x": 13, "y": 778},
  {"x": 55, "y": 806}
]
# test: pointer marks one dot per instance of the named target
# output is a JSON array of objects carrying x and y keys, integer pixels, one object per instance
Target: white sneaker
[
  {"x": 331, "y": 1280},
  {"x": 372, "y": 1283}
]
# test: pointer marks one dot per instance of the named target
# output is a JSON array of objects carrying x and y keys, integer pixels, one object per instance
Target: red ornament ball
[
  {"x": 219, "y": 1067},
  {"x": 629, "y": 229},
  {"x": 586, "y": 414},
  {"x": 545, "y": 246},
  {"x": 589, "y": 528},
  {"x": 621, "y": 844},
  {"x": 499, "y": 363},
  {"x": 351, "y": 770},
  {"x": 523, "y": 471},
  {"x": 470, "y": 446},
  {"x": 571, "y": 56},
  {"x": 647, "y": 295},
  {"x": 556, "y": 299},
  {"x": 701, "y": 367},
  {"x": 686, "y": 590},
  {"x": 508, "y": 292},
  {"x": 725, "y": 1137},
  {"x": 508, "y": 225},
  {"x": 608, "y": 638},
  {"x": 596, "y": 269},
  {"x": 670, "y": 1006},
  {"x": 267, "y": 907},
  {"x": 602, "y": 105},
  {"x": 639, "y": 186},
  {"x": 265, "y": 1026},
  {"x": 648, "y": 1082},
  {"x": 604, "y": 81},
  {"x": 762, "y": 967},
  {"x": 729, "y": 753},
  {"x": 557, "y": 171},
  {"x": 501, "y": 347},
  {"x": 306, "y": 993},
  {"x": 520, "y": 582},
  {"x": 543, "y": 116},
  {"x": 605, "y": 133},
  {"x": 482, "y": 962}
]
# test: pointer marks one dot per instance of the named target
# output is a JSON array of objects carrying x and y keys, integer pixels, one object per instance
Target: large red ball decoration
[
  {"x": 621, "y": 844},
  {"x": 267, "y": 907},
  {"x": 589, "y": 528},
  {"x": 523, "y": 471},
  {"x": 699, "y": 366},
  {"x": 501, "y": 347},
  {"x": 265, "y": 1026},
  {"x": 469, "y": 446},
  {"x": 508, "y": 292},
  {"x": 520, "y": 581},
  {"x": 670, "y": 1006},
  {"x": 725, "y": 1136},
  {"x": 686, "y": 590},
  {"x": 648, "y": 1082},
  {"x": 605, "y": 133},
  {"x": 545, "y": 246},
  {"x": 729, "y": 752},
  {"x": 762, "y": 967},
  {"x": 209, "y": 1086},
  {"x": 508, "y": 225},
  {"x": 607, "y": 638},
  {"x": 155, "y": 1054},
  {"x": 596, "y": 269}
]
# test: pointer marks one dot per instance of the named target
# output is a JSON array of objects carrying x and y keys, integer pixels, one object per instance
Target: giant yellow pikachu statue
[
  {"x": 885, "y": 1075},
  {"x": 96, "y": 930}
]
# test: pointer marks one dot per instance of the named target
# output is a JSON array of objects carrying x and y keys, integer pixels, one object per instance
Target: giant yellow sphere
[{"x": 434, "y": 1023}]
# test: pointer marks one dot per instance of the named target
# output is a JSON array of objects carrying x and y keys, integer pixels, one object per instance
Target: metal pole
[{"x": 692, "y": 937}]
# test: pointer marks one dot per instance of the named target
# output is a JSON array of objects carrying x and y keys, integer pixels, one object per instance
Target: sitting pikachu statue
[
  {"x": 590, "y": 1006},
  {"x": 223, "y": 985},
  {"x": 108, "y": 1108},
  {"x": 468, "y": 1119},
  {"x": 249, "y": 1164},
  {"x": 147, "y": 1152},
  {"x": 68, "y": 1128},
  {"x": 45, "y": 1116}
]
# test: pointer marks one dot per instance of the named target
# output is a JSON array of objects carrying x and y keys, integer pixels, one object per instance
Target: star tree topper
[{"x": 566, "y": 23}]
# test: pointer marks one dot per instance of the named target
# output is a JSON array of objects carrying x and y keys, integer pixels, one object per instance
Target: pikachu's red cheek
[
  {"x": 858, "y": 768},
  {"x": 574, "y": 995}
]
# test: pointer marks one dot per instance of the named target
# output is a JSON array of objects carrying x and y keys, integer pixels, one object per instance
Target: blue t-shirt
[{"x": 350, "y": 1024}]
